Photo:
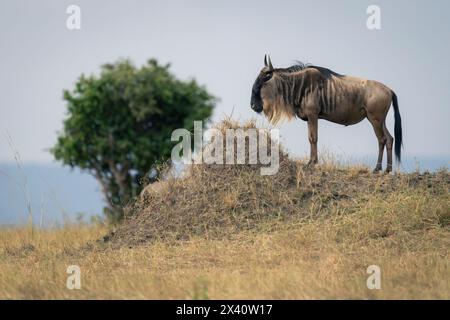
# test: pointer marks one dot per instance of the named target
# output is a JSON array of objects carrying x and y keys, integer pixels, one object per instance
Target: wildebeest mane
[{"x": 298, "y": 66}]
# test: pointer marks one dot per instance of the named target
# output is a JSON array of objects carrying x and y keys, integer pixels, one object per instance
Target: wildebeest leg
[
  {"x": 312, "y": 136},
  {"x": 378, "y": 128},
  {"x": 389, "y": 143}
]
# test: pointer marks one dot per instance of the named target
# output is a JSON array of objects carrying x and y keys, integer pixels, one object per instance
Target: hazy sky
[{"x": 222, "y": 44}]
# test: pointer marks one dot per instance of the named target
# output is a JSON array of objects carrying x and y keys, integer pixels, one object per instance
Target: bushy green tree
[{"x": 119, "y": 125}]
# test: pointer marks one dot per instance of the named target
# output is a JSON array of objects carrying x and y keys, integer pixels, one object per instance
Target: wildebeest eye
[{"x": 267, "y": 76}]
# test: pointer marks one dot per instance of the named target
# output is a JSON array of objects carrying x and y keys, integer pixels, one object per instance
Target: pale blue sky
[{"x": 221, "y": 44}]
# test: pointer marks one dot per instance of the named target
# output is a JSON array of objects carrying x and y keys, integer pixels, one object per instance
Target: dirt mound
[{"x": 217, "y": 201}]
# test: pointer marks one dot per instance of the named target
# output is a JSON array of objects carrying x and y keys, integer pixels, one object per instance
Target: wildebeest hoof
[{"x": 377, "y": 170}]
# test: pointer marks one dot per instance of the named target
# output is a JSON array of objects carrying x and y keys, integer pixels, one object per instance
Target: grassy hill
[{"x": 224, "y": 232}]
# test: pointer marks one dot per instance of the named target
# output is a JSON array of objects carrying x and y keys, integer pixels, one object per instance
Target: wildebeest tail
[{"x": 398, "y": 139}]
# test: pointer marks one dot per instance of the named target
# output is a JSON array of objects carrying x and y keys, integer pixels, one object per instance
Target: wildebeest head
[{"x": 264, "y": 77}]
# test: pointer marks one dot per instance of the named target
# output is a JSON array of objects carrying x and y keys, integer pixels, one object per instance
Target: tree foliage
[{"x": 119, "y": 125}]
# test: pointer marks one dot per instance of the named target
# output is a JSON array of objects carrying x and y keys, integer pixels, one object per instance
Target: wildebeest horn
[
  {"x": 265, "y": 60},
  {"x": 269, "y": 63}
]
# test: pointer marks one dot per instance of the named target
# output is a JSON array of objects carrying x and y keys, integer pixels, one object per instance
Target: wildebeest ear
[{"x": 269, "y": 64}]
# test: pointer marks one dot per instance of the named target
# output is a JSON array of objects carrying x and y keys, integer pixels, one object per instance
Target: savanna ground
[{"x": 230, "y": 233}]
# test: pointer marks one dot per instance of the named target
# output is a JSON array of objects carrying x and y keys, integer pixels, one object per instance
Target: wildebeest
[{"x": 312, "y": 92}]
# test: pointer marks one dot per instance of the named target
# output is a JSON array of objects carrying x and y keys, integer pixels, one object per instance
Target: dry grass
[
  {"x": 325, "y": 258},
  {"x": 230, "y": 233}
]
